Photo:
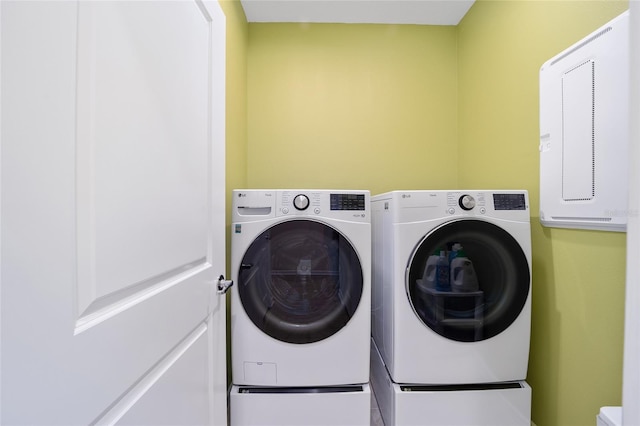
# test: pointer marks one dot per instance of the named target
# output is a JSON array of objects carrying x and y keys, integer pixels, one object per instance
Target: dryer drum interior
[
  {"x": 300, "y": 281},
  {"x": 503, "y": 278}
]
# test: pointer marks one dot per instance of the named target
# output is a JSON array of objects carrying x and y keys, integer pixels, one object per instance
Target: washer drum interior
[{"x": 300, "y": 281}]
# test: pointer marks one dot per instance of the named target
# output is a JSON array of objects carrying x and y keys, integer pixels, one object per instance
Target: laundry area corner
[{"x": 411, "y": 107}]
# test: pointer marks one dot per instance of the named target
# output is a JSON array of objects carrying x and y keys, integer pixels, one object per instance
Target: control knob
[
  {"x": 467, "y": 202},
  {"x": 301, "y": 202}
]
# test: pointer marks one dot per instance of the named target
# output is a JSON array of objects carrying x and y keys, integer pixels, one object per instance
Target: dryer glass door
[
  {"x": 300, "y": 281},
  {"x": 487, "y": 291}
]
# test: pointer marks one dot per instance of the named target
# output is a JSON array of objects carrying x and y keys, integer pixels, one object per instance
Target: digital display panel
[
  {"x": 509, "y": 202},
  {"x": 347, "y": 202}
]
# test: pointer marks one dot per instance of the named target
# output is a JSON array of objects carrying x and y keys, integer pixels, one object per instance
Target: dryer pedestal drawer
[{"x": 492, "y": 404}]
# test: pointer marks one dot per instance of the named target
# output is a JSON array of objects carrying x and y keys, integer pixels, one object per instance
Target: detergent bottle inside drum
[
  {"x": 428, "y": 281},
  {"x": 463, "y": 275}
]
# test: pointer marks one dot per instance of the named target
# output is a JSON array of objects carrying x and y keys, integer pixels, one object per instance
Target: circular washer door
[
  {"x": 300, "y": 281},
  {"x": 501, "y": 273}
]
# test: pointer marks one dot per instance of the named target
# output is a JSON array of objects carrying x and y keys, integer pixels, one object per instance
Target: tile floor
[{"x": 376, "y": 418}]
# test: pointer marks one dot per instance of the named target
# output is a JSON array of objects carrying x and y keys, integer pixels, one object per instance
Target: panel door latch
[{"x": 223, "y": 285}]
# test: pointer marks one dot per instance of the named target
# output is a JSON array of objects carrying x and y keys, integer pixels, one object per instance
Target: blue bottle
[{"x": 442, "y": 273}]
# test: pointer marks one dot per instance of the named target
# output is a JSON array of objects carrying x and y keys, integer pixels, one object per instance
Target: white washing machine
[
  {"x": 300, "y": 308},
  {"x": 431, "y": 336}
]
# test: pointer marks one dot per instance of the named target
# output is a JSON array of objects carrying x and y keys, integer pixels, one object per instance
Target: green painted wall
[
  {"x": 385, "y": 107},
  {"x": 578, "y": 276},
  {"x": 360, "y": 106},
  {"x": 236, "y": 100},
  {"x": 237, "y": 36}
]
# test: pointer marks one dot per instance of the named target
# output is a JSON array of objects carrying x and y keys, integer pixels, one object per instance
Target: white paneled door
[{"x": 112, "y": 212}]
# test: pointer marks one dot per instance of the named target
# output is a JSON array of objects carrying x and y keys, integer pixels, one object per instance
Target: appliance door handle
[{"x": 223, "y": 285}]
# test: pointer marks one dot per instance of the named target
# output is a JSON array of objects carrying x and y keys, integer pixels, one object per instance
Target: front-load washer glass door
[
  {"x": 300, "y": 281},
  {"x": 487, "y": 286}
]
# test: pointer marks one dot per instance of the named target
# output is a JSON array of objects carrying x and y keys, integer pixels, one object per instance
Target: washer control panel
[
  {"x": 259, "y": 204},
  {"x": 336, "y": 204},
  {"x": 348, "y": 202},
  {"x": 301, "y": 202}
]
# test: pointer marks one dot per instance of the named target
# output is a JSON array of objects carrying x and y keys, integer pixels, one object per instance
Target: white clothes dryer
[
  {"x": 301, "y": 306},
  {"x": 429, "y": 335}
]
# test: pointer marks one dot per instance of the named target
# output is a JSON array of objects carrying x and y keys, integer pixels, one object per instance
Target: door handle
[{"x": 223, "y": 285}]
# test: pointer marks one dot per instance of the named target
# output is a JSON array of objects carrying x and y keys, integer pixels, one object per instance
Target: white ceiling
[{"x": 422, "y": 12}]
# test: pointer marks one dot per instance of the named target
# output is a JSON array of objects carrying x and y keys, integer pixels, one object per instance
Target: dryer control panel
[
  {"x": 509, "y": 202},
  {"x": 416, "y": 206}
]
